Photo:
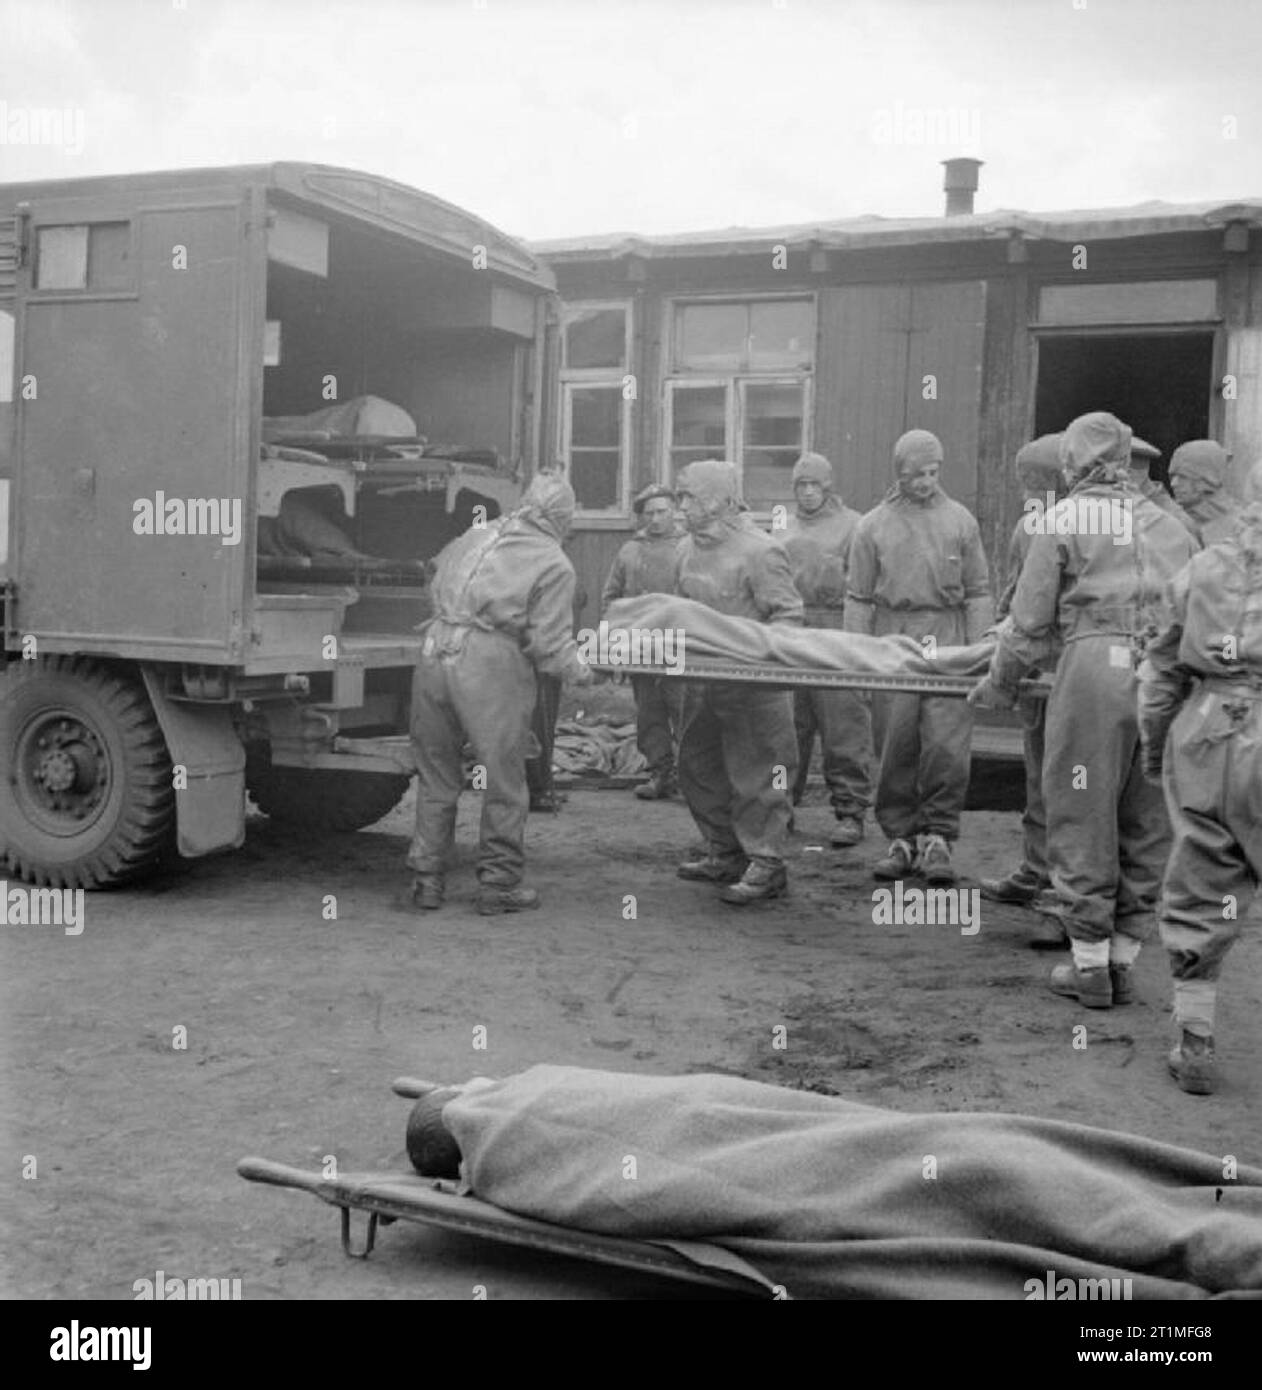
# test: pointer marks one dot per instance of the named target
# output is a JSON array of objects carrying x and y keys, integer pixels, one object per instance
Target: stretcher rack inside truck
[{"x": 239, "y": 410}]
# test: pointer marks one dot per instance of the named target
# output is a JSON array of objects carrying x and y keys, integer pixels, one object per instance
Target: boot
[
  {"x": 1049, "y": 933},
  {"x": 935, "y": 860},
  {"x": 659, "y": 787},
  {"x": 427, "y": 891},
  {"x": 848, "y": 833},
  {"x": 714, "y": 868},
  {"x": 1191, "y": 1063},
  {"x": 493, "y": 900},
  {"x": 1092, "y": 988},
  {"x": 759, "y": 881},
  {"x": 547, "y": 801},
  {"x": 897, "y": 862},
  {"x": 1122, "y": 979},
  {"x": 1023, "y": 885}
]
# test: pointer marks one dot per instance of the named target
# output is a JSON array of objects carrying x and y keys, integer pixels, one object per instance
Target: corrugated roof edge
[
  {"x": 507, "y": 254},
  {"x": 1143, "y": 219}
]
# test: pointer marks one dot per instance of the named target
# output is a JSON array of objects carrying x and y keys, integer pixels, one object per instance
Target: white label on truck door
[{"x": 4, "y": 521}]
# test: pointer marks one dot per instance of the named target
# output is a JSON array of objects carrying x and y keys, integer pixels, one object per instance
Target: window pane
[
  {"x": 6, "y": 354},
  {"x": 782, "y": 333},
  {"x": 595, "y": 478},
  {"x": 63, "y": 258},
  {"x": 596, "y": 417},
  {"x": 596, "y": 338},
  {"x": 772, "y": 443},
  {"x": 699, "y": 420},
  {"x": 709, "y": 336},
  {"x": 109, "y": 256}
]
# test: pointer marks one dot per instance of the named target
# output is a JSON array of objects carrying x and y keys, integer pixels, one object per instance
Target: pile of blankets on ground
[{"x": 828, "y": 1198}]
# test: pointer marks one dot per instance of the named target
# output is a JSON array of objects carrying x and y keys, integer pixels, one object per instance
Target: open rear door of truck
[{"x": 135, "y": 430}]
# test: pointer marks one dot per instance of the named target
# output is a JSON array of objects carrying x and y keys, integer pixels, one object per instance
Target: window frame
[
  {"x": 610, "y": 378},
  {"x": 735, "y": 381},
  {"x": 88, "y": 292}
]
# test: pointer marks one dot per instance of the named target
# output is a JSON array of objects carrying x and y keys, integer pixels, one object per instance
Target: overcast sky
[{"x": 578, "y": 116}]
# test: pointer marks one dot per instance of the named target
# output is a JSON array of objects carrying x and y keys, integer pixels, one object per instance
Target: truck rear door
[{"x": 135, "y": 432}]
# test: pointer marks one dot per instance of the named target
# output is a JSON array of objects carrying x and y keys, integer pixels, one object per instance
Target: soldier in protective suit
[
  {"x": 1200, "y": 721},
  {"x": 917, "y": 567},
  {"x": 1198, "y": 478},
  {"x": 646, "y": 565},
  {"x": 817, "y": 542},
  {"x": 737, "y": 747},
  {"x": 1098, "y": 585},
  {"x": 503, "y": 610}
]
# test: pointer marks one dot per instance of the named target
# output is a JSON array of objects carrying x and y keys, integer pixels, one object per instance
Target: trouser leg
[
  {"x": 653, "y": 734},
  {"x": 703, "y": 778},
  {"x": 896, "y": 733},
  {"x": 1213, "y": 790},
  {"x": 844, "y": 718},
  {"x": 1034, "y": 817},
  {"x": 1143, "y": 845},
  {"x": 1090, "y": 730},
  {"x": 438, "y": 740},
  {"x": 493, "y": 686},
  {"x": 804, "y": 732},
  {"x": 759, "y": 750},
  {"x": 946, "y": 732},
  {"x": 544, "y": 726}
]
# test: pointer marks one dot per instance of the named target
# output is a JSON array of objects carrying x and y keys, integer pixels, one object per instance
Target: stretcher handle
[
  {"x": 413, "y": 1088},
  {"x": 281, "y": 1175}
]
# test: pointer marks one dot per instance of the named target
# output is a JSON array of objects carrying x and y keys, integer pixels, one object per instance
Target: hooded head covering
[
  {"x": 648, "y": 494},
  {"x": 549, "y": 504},
  {"x": 1142, "y": 454},
  {"x": 813, "y": 468},
  {"x": 911, "y": 451},
  {"x": 1097, "y": 445},
  {"x": 1038, "y": 464},
  {"x": 713, "y": 482},
  {"x": 1201, "y": 459}
]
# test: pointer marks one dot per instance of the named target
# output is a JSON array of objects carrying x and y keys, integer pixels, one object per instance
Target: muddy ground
[{"x": 297, "y": 1024}]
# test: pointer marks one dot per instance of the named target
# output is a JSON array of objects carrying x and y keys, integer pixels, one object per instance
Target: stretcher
[
  {"x": 807, "y": 677},
  {"x": 406, "y": 1196}
]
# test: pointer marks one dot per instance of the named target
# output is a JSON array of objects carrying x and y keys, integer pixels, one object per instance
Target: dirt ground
[{"x": 297, "y": 1024}]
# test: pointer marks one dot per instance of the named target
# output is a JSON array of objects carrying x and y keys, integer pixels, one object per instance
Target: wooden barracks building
[{"x": 986, "y": 328}]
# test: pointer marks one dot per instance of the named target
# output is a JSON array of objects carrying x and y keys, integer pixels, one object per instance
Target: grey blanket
[{"x": 832, "y": 1199}]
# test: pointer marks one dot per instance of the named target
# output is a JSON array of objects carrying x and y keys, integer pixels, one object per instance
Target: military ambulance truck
[{"x": 239, "y": 410}]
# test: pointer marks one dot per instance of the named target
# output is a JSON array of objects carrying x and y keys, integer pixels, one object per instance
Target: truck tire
[
  {"x": 316, "y": 800},
  {"x": 86, "y": 799}
]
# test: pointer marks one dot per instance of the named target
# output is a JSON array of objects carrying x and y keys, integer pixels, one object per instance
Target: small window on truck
[{"x": 84, "y": 256}]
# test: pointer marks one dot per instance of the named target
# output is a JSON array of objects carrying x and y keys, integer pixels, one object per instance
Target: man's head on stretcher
[{"x": 432, "y": 1150}]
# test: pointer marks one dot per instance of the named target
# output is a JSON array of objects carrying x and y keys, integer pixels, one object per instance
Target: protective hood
[
  {"x": 1142, "y": 455},
  {"x": 911, "y": 450},
  {"x": 1095, "y": 447},
  {"x": 548, "y": 503},
  {"x": 1038, "y": 464},
  {"x": 713, "y": 482},
  {"x": 814, "y": 468},
  {"x": 1202, "y": 459}
]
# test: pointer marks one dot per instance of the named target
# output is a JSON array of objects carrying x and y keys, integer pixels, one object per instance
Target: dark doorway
[{"x": 1158, "y": 383}]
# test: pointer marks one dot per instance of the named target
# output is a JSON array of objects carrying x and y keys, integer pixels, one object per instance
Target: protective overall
[
  {"x": 1099, "y": 591},
  {"x": 646, "y": 565},
  {"x": 1200, "y": 718},
  {"x": 917, "y": 567},
  {"x": 503, "y": 610},
  {"x": 737, "y": 752},
  {"x": 818, "y": 546},
  {"x": 1198, "y": 475}
]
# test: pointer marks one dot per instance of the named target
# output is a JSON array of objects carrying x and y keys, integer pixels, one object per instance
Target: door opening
[{"x": 1158, "y": 383}]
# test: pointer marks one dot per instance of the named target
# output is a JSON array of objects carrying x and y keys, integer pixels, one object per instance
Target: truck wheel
[
  {"x": 86, "y": 798},
  {"x": 316, "y": 799}
]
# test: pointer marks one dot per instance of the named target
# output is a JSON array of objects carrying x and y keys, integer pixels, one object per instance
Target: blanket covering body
[
  {"x": 830, "y": 1198},
  {"x": 717, "y": 636}
]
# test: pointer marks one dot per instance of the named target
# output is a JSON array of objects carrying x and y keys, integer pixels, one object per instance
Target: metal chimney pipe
[{"x": 959, "y": 184}]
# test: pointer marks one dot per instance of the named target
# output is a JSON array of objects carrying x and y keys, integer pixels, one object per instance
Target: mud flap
[{"x": 210, "y": 806}]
